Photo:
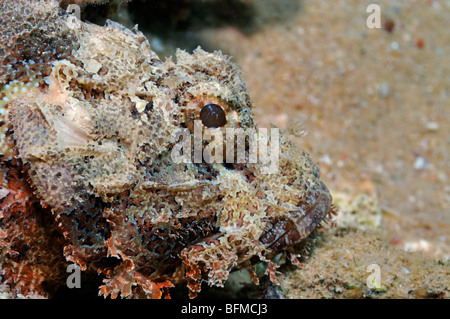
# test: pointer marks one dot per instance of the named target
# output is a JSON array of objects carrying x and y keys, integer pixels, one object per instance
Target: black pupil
[{"x": 213, "y": 115}]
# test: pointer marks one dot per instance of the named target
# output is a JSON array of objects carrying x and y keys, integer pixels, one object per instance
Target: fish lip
[
  {"x": 301, "y": 227},
  {"x": 317, "y": 212}
]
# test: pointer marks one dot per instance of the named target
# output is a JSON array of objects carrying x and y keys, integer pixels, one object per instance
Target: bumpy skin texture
[{"x": 90, "y": 115}]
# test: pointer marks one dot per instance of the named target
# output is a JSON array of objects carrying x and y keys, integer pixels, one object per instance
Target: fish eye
[
  {"x": 213, "y": 115},
  {"x": 211, "y": 112}
]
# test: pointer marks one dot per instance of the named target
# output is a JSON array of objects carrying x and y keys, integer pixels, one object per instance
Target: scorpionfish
[{"x": 89, "y": 118}]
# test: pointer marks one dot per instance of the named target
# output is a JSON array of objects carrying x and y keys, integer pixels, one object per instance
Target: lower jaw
[{"x": 302, "y": 227}]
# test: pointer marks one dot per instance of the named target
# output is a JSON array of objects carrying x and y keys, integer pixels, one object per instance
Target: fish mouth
[
  {"x": 285, "y": 232},
  {"x": 316, "y": 213}
]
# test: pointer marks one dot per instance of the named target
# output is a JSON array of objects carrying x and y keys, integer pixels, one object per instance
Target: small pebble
[
  {"x": 394, "y": 46},
  {"x": 432, "y": 126},
  {"x": 389, "y": 25},
  {"x": 420, "y": 43},
  {"x": 383, "y": 89},
  {"x": 326, "y": 159},
  {"x": 420, "y": 163}
]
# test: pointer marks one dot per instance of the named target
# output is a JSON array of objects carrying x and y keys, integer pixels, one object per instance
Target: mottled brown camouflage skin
[{"x": 92, "y": 135}]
